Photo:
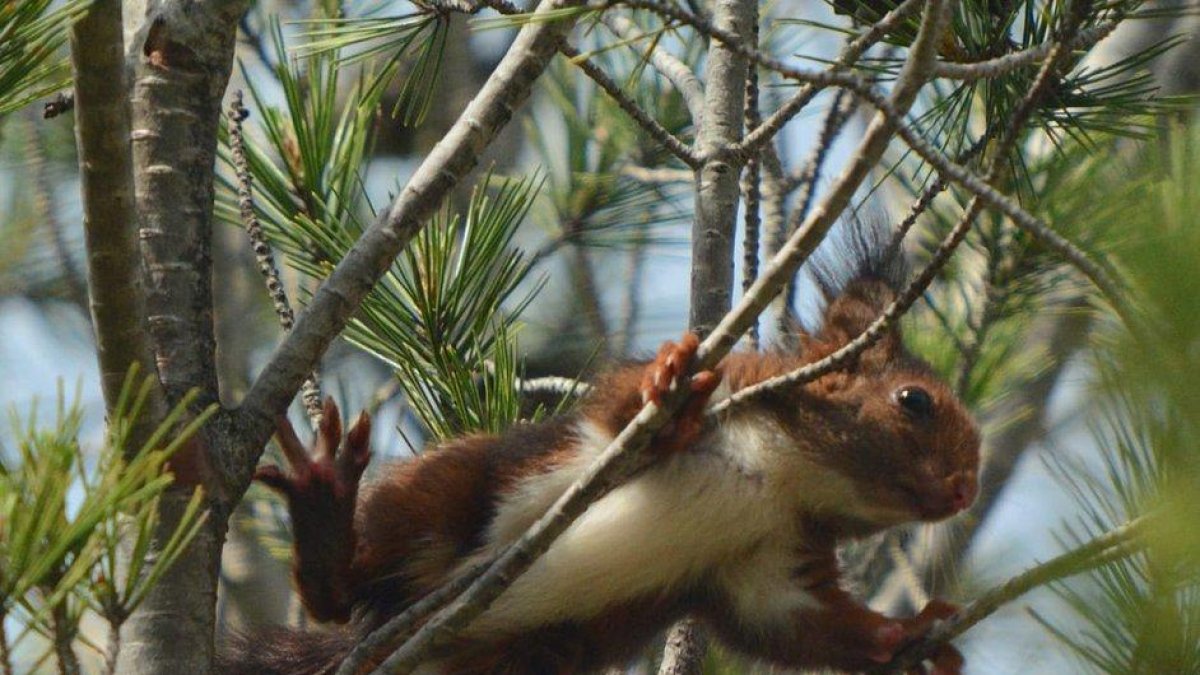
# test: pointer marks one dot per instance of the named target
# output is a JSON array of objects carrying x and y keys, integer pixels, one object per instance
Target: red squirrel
[{"x": 736, "y": 523}]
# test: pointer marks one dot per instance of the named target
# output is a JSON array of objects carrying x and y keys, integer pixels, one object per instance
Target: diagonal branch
[
  {"x": 341, "y": 294},
  {"x": 622, "y": 455},
  {"x": 1117, "y": 543},
  {"x": 1002, "y": 65},
  {"x": 648, "y": 124},
  {"x": 677, "y": 72}
]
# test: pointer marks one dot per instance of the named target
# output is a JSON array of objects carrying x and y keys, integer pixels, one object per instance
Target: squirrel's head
[{"x": 892, "y": 427}]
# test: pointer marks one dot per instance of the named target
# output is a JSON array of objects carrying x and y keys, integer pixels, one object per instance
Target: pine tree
[{"x": 1045, "y": 222}]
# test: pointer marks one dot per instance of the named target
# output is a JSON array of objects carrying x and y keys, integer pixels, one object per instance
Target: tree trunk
[{"x": 180, "y": 55}]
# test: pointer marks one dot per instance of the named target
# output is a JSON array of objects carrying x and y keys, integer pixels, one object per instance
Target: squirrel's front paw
[
  {"x": 327, "y": 478},
  {"x": 945, "y": 659},
  {"x": 667, "y": 373}
]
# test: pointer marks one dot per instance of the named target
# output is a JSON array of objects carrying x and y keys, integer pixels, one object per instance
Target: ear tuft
[{"x": 859, "y": 273}]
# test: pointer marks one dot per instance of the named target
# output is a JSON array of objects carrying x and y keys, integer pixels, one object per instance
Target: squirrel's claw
[
  {"x": 330, "y": 466},
  {"x": 665, "y": 374},
  {"x": 946, "y": 659}
]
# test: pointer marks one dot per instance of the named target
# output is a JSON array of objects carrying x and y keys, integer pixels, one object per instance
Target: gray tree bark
[{"x": 180, "y": 56}]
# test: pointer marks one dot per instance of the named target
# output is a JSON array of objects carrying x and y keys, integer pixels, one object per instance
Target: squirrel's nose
[{"x": 962, "y": 488}]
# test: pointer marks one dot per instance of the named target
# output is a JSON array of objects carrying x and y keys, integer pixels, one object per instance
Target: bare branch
[
  {"x": 716, "y": 199},
  {"x": 677, "y": 72},
  {"x": 752, "y": 201},
  {"x": 44, "y": 208},
  {"x": 311, "y": 389},
  {"x": 658, "y": 175},
  {"x": 615, "y": 91},
  {"x": 848, "y": 57},
  {"x": 401, "y": 625},
  {"x": 644, "y": 120}
]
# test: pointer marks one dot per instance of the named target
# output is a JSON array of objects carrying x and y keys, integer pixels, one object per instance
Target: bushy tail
[{"x": 279, "y": 651}]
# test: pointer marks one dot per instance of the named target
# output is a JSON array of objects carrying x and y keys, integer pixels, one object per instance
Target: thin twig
[
  {"x": 311, "y": 389},
  {"x": 806, "y": 178},
  {"x": 676, "y": 71},
  {"x": 838, "y": 113},
  {"x": 843, "y": 356},
  {"x": 6, "y": 666},
  {"x": 1113, "y": 545},
  {"x": 113, "y": 649},
  {"x": 751, "y": 194},
  {"x": 658, "y": 174},
  {"x": 650, "y": 125},
  {"x": 64, "y": 630},
  {"x": 846, "y": 58},
  {"x": 950, "y": 170},
  {"x": 553, "y": 384},
  {"x": 43, "y": 205},
  {"x": 622, "y": 455}
]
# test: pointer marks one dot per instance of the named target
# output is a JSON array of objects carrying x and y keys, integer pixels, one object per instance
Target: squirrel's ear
[{"x": 852, "y": 311}]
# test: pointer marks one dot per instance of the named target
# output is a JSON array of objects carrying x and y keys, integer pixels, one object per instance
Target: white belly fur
[{"x": 661, "y": 530}]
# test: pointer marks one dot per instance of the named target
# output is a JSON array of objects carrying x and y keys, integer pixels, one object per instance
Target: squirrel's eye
[{"x": 916, "y": 401}]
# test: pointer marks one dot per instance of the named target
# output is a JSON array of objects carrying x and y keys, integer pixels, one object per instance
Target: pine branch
[
  {"x": 815, "y": 80},
  {"x": 953, "y": 171},
  {"x": 341, "y": 294},
  {"x": 1003, "y": 65},
  {"x": 631, "y": 108},
  {"x": 846, "y": 58},
  {"x": 838, "y": 113},
  {"x": 622, "y": 456},
  {"x": 1115, "y": 544}
]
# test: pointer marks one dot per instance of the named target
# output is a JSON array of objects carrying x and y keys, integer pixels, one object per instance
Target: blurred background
[{"x": 1084, "y": 428}]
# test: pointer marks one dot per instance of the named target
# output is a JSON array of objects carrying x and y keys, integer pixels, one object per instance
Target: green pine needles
[{"x": 75, "y": 525}]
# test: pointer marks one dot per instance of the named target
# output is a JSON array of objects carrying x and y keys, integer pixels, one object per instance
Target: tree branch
[
  {"x": 366, "y": 262},
  {"x": 615, "y": 91},
  {"x": 677, "y": 72},
  {"x": 311, "y": 389},
  {"x": 717, "y": 195},
  {"x": 1115, "y": 544},
  {"x": 1003, "y": 65}
]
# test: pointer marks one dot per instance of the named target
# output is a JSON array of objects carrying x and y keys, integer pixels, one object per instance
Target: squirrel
[{"x": 736, "y": 524}]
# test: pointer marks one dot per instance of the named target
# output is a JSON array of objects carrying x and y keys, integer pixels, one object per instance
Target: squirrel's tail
[{"x": 280, "y": 651}]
